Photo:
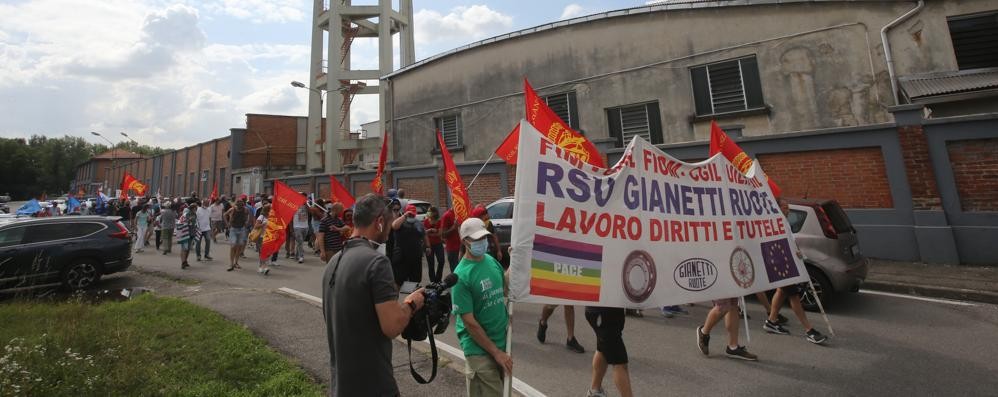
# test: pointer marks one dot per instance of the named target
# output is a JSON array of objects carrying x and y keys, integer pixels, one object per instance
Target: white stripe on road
[
  {"x": 518, "y": 385},
  {"x": 919, "y": 298}
]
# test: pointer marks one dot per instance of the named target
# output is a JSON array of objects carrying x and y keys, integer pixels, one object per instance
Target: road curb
[{"x": 933, "y": 291}]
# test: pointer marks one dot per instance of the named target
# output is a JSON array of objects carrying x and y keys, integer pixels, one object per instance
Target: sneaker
[
  {"x": 596, "y": 393},
  {"x": 229, "y": 269},
  {"x": 199, "y": 259},
  {"x": 208, "y": 258},
  {"x": 703, "y": 341},
  {"x": 744, "y": 315},
  {"x": 574, "y": 346},
  {"x": 634, "y": 313},
  {"x": 740, "y": 353},
  {"x": 780, "y": 319},
  {"x": 542, "y": 331},
  {"x": 301, "y": 260},
  {"x": 266, "y": 271},
  {"x": 774, "y": 328},
  {"x": 184, "y": 265},
  {"x": 815, "y": 337},
  {"x": 667, "y": 312}
]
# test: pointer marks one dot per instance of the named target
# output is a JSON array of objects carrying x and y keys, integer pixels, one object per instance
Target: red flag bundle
[
  {"x": 551, "y": 126},
  {"x": 214, "y": 192},
  {"x": 129, "y": 182},
  {"x": 722, "y": 143},
  {"x": 339, "y": 193},
  {"x": 286, "y": 203},
  {"x": 377, "y": 186},
  {"x": 458, "y": 195}
]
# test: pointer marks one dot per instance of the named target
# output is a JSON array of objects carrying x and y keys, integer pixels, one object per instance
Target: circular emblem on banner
[
  {"x": 742, "y": 269},
  {"x": 695, "y": 274},
  {"x": 639, "y": 276}
]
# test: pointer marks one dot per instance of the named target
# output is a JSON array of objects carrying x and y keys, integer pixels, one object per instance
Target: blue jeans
[
  {"x": 206, "y": 238},
  {"x": 435, "y": 262}
]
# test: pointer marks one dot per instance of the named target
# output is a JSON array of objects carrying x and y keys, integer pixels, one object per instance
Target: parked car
[
  {"x": 69, "y": 251},
  {"x": 4, "y": 198},
  {"x": 823, "y": 231},
  {"x": 421, "y": 208},
  {"x": 4, "y": 208}
]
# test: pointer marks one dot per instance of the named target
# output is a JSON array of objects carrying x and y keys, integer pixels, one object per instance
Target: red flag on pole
[
  {"x": 214, "y": 192},
  {"x": 458, "y": 194},
  {"x": 720, "y": 142},
  {"x": 286, "y": 203},
  {"x": 507, "y": 150},
  {"x": 377, "y": 186},
  {"x": 551, "y": 126},
  {"x": 129, "y": 182},
  {"x": 339, "y": 193}
]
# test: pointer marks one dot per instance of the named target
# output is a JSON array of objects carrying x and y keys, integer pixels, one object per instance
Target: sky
[{"x": 175, "y": 73}]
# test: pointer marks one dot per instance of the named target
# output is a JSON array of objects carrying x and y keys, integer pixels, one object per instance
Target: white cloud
[
  {"x": 262, "y": 11},
  {"x": 461, "y": 23},
  {"x": 571, "y": 11}
]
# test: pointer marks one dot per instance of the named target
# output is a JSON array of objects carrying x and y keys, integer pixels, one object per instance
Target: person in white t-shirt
[
  {"x": 204, "y": 230},
  {"x": 217, "y": 223},
  {"x": 300, "y": 224}
]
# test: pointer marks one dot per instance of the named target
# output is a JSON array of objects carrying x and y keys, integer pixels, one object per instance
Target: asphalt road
[{"x": 883, "y": 345}]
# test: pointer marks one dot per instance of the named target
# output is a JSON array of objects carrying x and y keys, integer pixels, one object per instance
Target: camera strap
[{"x": 433, "y": 357}]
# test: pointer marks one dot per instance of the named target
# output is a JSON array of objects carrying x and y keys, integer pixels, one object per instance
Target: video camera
[{"x": 432, "y": 319}]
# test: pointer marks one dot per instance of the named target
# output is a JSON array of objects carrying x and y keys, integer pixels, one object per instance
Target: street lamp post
[
  {"x": 318, "y": 124},
  {"x": 129, "y": 138},
  {"x": 114, "y": 155}
]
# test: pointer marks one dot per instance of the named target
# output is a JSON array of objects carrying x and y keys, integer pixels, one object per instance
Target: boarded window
[
  {"x": 975, "y": 40},
  {"x": 450, "y": 128},
  {"x": 642, "y": 120},
  {"x": 566, "y": 107},
  {"x": 728, "y": 86}
]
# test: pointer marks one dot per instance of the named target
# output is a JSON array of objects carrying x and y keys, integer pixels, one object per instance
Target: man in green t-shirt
[{"x": 480, "y": 306}]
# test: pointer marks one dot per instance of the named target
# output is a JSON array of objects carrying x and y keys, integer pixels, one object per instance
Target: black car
[{"x": 69, "y": 251}]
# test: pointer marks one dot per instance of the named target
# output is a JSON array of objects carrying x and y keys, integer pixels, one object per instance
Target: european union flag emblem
[{"x": 779, "y": 260}]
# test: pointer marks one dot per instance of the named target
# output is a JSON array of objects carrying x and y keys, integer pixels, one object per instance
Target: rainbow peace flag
[{"x": 565, "y": 269}]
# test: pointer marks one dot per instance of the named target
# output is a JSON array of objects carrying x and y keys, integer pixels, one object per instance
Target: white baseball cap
[{"x": 473, "y": 228}]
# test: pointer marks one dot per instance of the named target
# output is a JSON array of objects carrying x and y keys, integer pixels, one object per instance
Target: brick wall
[
  {"x": 278, "y": 132},
  {"x": 921, "y": 177},
  {"x": 975, "y": 169},
  {"x": 856, "y": 178},
  {"x": 420, "y": 189},
  {"x": 361, "y": 188},
  {"x": 511, "y": 179},
  {"x": 487, "y": 188},
  {"x": 222, "y": 162}
]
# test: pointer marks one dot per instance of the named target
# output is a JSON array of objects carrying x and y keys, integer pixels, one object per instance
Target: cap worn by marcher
[
  {"x": 410, "y": 209},
  {"x": 473, "y": 228}
]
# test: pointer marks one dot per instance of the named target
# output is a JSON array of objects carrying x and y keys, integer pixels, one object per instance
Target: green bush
[{"x": 149, "y": 346}]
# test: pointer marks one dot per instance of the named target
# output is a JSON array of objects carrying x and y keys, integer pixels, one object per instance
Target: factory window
[
  {"x": 565, "y": 106},
  {"x": 728, "y": 86},
  {"x": 629, "y": 121},
  {"x": 450, "y": 128},
  {"x": 975, "y": 40}
]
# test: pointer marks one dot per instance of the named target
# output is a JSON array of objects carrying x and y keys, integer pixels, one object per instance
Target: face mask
[
  {"x": 412, "y": 219},
  {"x": 478, "y": 247}
]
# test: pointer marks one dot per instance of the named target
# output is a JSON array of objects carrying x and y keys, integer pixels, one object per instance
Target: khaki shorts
[{"x": 484, "y": 376}]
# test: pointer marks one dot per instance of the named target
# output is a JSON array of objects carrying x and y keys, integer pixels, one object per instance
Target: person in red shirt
[
  {"x": 452, "y": 239},
  {"x": 434, "y": 245}
]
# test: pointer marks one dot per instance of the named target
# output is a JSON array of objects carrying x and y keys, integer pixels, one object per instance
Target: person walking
[
  {"x": 261, "y": 222},
  {"x": 203, "y": 231},
  {"x": 217, "y": 224},
  {"x": 542, "y": 327},
  {"x": 407, "y": 259},
  {"x": 481, "y": 213},
  {"x": 480, "y": 307},
  {"x": 608, "y": 324},
  {"x": 142, "y": 225},
  {"x": 185, "y": 229},
  {"x": 238, "y": 220},
  {"x": 434, "y": 245},
  {"x": 300, "y": 225},
  {"x": 157, "y": 228},
  {"x": 168, "y": 223},
  {"x": 728, "y": 310},
  {"x": 329, "y": 239},
  {"x": 452, "y": 240}
]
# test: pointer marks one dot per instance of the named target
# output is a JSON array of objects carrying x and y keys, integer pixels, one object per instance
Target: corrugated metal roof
[
  {"x": 663, "y": 5},
  {"x": 943, "y": 83}
]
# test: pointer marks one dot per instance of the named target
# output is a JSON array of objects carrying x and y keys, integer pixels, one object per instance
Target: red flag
[
  {"x": 507, "y": 150},
  {"x": 214, "y": 192},
  {"x": 338, "y": 193},
  {"x": 377, "y": 186},
  {"x": 286, "y": 203},
  {"x": 722, "y": 143},
  {"x": 458, "y": 194},
  {"x": 129, "y": 182},
  {"x": 551, "y": 126}
]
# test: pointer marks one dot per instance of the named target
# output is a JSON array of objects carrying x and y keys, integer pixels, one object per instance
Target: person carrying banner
[
  {"x": 542, "y": 327},
  {"x": 478, "y": 299},
  {"x": 608, "y": 323},
  {"x": 728, "y": 310}
]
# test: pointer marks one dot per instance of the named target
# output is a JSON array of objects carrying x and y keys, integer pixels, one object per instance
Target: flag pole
[
  {"x": 507, "y": 386},
  {"x": 748, "y": 337},
  {"x": 820, "y": 306},
  {"x": 480, "y": 170}
]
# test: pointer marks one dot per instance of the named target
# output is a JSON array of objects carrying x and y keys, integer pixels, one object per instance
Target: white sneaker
[{"x": 596, "y": 393}]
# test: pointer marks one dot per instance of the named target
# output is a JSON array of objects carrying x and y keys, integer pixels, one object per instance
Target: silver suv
[{"x": 822, "y": 230}]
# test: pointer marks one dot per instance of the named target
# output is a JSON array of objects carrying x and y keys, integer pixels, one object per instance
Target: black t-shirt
[{"x": 361, "y": 355}]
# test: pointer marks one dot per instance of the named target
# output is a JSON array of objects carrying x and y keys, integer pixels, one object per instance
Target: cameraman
[
  {"x": 361, "y": 307},
  {"x": 478, "y": 300}
]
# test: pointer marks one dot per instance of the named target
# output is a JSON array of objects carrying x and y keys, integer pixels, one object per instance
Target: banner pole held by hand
[
  {"x": 480, "y": 170},
  {"x": 507, "y": 382},
  {"x": 820, "y": 307},
  {"x": 748, "y": 337}
]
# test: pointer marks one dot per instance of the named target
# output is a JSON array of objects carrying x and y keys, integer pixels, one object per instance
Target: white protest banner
[{"x": 648, "y": 232}]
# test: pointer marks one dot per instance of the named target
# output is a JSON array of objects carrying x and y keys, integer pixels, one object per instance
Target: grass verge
[{"x": 148, "y": 346}]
